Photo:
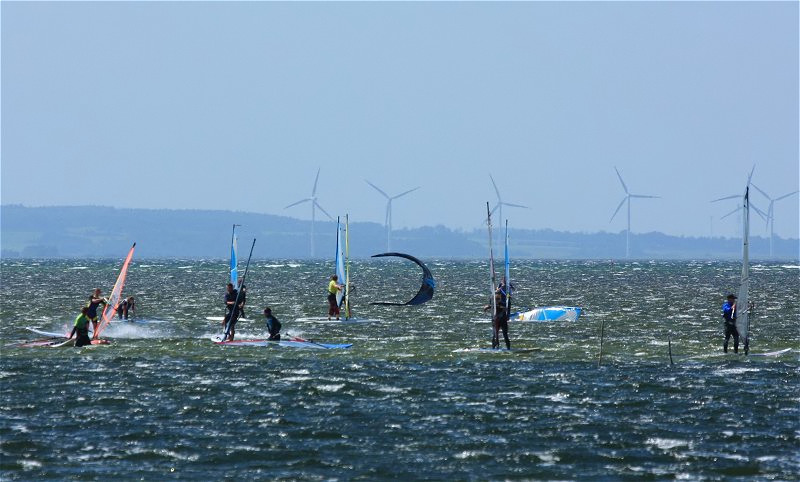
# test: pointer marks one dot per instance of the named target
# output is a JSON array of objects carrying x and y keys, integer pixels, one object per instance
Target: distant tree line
[{"x": 74, "y": 232}]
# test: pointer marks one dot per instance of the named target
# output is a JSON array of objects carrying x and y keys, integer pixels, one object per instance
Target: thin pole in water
[{"x": 669, "y": 344}]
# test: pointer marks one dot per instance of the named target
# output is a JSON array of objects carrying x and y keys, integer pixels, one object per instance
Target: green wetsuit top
[
  {"x": 82, "y": 322},
  {"x": 333, "y": 287}
]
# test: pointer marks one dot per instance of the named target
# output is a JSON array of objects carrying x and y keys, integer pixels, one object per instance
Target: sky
[{"x": 235, "y": 106}]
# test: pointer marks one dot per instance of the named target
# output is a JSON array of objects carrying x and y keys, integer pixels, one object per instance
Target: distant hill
[{"x": 93, "y": 231}]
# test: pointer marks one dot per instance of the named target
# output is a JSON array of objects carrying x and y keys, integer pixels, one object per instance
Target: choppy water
[{"x": 163, "y": 402}]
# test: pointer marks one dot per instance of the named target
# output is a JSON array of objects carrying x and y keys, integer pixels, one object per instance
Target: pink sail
[{"x": 116, "y": 294}]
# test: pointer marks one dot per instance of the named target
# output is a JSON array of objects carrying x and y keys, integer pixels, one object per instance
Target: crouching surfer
[
  {"x": 81, "y": 328},
  {"x": 273, "y": 325}
]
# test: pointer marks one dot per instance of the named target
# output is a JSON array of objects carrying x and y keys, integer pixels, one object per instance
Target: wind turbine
[
  {"x": 628, "y": 197},
  {"x": 388, "y": 220},
  {"x": 739, "y": 206},
  {"x": 500, "y": 203},
  {"x": 314, "y": 205},
  {"x": 771, "y": 213}
]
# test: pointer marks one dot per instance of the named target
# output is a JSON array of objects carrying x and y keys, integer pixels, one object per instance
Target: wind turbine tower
[
  {"x": 771, "y": 214},
  {"x": 627, "y": 198},
  {"x": 500, "y": 203},
  {"x": 388, "y": 219},
  {"x": 314, "y": 206}
]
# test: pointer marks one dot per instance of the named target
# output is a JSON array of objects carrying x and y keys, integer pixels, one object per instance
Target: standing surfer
[
  {"x": 80, "y": 330},
  {"x": 729, "y": 314},
  {"x": 232, "y": 311},
  {"x": 499, "y": 320},
  {"x": 95, "y": 300},
  {"x": 273, "y": 325},
  {"x": 333, "y": 288}
]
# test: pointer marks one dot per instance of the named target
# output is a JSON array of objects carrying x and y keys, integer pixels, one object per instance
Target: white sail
[
  {"x": 492, "y": 276},
  {"x": 346, "y": 266},
  {"x": 742, "y": 303}
]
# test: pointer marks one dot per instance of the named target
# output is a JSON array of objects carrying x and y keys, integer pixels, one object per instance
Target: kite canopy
[{"x": 425, "y": 292}]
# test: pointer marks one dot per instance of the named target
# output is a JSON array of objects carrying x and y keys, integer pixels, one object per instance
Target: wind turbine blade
[
  {"x": 761, "y": 191},
  {"x": 739, "y": 208},
  {"x": 726, "y": 197},
  {"x": 494, "y": 209},
  {"x": 378, "y": 189},
  {"x": 403, "y": 194},
  {"x": 620, "y": 180},
  {"x": 314, "y": 191},
  {"x": 298, "y": 202},
  {"x": 515, "y": 205},
  {"x": 324, "y": 211},
  {"x": 495, "y": 187},
  {"x": 761, "y": 213},
  {"x": 643, "y": 196},
  {"x": 750, "y": 176},
  {"x": 618, "y": 208},
  {"x": 786, "y": 195}
]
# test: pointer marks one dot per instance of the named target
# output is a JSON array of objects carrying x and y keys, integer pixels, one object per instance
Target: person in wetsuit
[
  {"x": 95, "y": 300},
  {"x": 125, "y": 306},
  {"x": 333, "y": 288},
  {"x": 499, "y": 320},
  {"x": 81, "y": 328},
  {"x": 729, "y": 315},
  {"x": 273, "y": 325},
  {"x": 232, "y": 312}
]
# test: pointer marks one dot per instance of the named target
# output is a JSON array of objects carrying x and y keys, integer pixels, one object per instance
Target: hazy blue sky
[{"x": 236, "y": 105}]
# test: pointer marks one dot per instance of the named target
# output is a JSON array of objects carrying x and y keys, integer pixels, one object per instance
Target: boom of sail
[{"x": 425, "y": 292}]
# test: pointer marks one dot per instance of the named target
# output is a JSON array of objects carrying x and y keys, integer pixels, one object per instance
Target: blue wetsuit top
[{"x": 728, "y": 314}]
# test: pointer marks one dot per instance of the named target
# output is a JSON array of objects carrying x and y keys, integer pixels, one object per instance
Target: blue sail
[
  {"x": 340, "y": 274},
  {"x": 234, "y": 260}
]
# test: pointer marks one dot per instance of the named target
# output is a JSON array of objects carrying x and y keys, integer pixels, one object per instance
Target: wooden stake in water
[{"x": 669, "y": 344}]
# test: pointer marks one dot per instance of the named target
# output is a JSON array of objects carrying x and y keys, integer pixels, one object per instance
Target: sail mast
[
  {"x": 742, "y": 303},
  {"x": 507, "y": 276},
  {"x": 492, "y": 276}
]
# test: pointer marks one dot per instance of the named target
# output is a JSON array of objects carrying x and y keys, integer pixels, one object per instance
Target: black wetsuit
[
  {"x": 500, "y": 322},
  {"x": 730, "y": 327},
  {"x": 274, "y": 328},
  {"x": 232, "y": 314}
]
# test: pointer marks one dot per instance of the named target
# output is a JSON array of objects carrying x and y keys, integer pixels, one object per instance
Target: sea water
[{"x": 406, "y": 401}]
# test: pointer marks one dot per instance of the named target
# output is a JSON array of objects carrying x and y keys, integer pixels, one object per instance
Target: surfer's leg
[
  {"x": 735, "y": 341},
  {"x": 504, "y": 326}
]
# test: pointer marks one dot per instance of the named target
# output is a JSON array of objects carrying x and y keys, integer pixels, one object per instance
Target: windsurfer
[
  {"x": 81, "y": 328},
  {"x": 729, "y": 315},
  {"x": 333, "y": 288},
  {"x": 273, "y": 325},
  {"x": 125, "y": 307},
  {"x": 232, "y": 313},
  {"x": 95, "y": 300},
  {"x": 499, "y": 320}
]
